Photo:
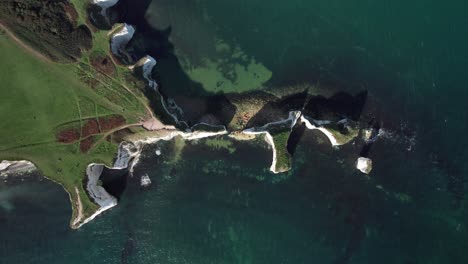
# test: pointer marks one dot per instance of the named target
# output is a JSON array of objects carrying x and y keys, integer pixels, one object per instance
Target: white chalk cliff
[
  {"x": 15, "y": 167},
  {"x": 105, "y": 4},
  {"x": 364, "y": 165},
  {"x": 121, "y": 38}
]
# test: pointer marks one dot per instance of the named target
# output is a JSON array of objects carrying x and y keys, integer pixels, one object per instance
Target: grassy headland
[
  {"x": 63, "y": 117},
  {"x": 39, "y": 98}
]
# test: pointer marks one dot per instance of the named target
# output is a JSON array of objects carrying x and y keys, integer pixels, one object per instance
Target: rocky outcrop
[
  {"x": 145, "y": 181},
  {"x": 97, "y": 193},
  {"x": 16, "y": 167},
  {"x": 146, "y": 65},
  {"x": 105, "y": 4},
  {"x": 260, "y": 113},
  {"x": 338, "y": 133},
  {"x": 364, "y": 165},
  {"x": 276, "y": 135},
  {"x": 120, "y": 39}
]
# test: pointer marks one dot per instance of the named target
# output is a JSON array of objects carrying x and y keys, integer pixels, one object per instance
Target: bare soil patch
[{"x": 103, "y": 64}]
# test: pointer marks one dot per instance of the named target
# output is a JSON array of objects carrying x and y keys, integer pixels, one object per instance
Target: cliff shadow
[
  {"x": 339, "y": 106},
  {"x": 277, "y": 110},
  {"x": 197, "y": 104},
  {"x": 114, "y": 181}
]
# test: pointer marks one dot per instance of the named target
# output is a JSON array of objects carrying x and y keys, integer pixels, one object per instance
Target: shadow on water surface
[
  {"x": 198, "y": 104},
  {"x": 192, "y": 96},
  {"x": 114, "y": 181}
]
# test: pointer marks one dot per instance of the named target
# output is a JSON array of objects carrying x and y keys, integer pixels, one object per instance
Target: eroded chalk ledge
[
  {"x": 130, "y": 150},
  {"x": 8, "y": 168}
]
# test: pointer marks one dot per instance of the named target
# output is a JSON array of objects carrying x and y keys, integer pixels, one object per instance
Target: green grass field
[
  {"x": 283, "y": 158},
  {"x": 36, "y": 98}
]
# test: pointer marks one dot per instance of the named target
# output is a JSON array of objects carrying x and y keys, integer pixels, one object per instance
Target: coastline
[
  {"x": 130, "y": 148},
  {"x": 327, "y": 133}
]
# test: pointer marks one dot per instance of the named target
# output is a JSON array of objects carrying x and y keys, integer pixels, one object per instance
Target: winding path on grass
[
  {"x": 44, "y": 58},
  {"x": 142, "y": 101},
  {"x": 24, "y": 45},
  {"x": 79, "y": 206},
  {"x": 112, "y": 131}
]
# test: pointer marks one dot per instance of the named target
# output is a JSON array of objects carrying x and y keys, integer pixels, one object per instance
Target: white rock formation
[
  {"x": 145, "y": 181},
  {"x": 364, "y": 165},
  {"x": 13, "y": 167},
  {"x": 120, "y": 39},
  {"x": 148, "y": 65},
  {"x": 319, "y": 127},
  {"x": 104, "y": 4},
  {"x": 96, "y": 192},
  {"x": 271, "y": 142},
  {"x": 126, "y": 152}
]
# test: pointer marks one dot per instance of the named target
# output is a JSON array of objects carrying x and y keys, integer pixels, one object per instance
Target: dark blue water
[{"x": 211, "y": 206}]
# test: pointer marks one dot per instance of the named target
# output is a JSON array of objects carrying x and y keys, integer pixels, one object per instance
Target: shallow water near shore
[{"x": 224, "y": 206}]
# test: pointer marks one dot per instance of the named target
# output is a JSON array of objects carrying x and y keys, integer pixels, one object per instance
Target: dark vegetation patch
[
  {"x": 119, "y": 136},
  {"x": 85, "y": 76},
  {"x": 71, "y": 12},
  {"x": 111, "y": 87},
  {"x": 98, "y": 20},
  {"x": 135, "y": 80},
  {"x": 48, "y": 26},
  {"x": 111, "y": 122},
  {"x": 90, "y": 127},
  {"x": 86, "y": 144},
  {"x": 68, "y": 135},
  {"x": 74, "y": 131},
  {"x": 103, "y": 64}
]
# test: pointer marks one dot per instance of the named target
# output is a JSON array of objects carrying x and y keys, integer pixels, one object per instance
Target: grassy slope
[
  {"x": 80, "y": 6},
  {"x": 36, "y": 97},
  {"x": 283, "y": 158}
]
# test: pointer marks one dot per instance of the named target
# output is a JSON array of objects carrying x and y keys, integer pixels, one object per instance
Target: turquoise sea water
[{"x": 214, "y": 206}]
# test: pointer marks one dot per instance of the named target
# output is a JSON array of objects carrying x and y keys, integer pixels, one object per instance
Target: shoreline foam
[{"x": 130, "y": 151}]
